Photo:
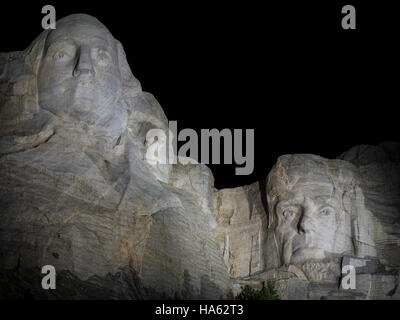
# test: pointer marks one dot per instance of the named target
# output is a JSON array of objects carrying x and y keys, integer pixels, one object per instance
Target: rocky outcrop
[
  {"x": 240, "y": 233},
  {"x": 379, "y": 171},
  {"x": 78, "y": 192},
  {"x": 324, "y": 215}
]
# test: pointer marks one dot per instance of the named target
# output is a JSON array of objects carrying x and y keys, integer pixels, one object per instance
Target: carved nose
[
  {"x": 84, "y": 62},
  {"x": 304, "y": 224}
]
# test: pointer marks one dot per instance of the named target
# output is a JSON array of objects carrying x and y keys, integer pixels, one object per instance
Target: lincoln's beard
[
  {"x": 321, "y": 270},
  {"x": 295, "y": 250},
  {"x": 311, "y": 263}
]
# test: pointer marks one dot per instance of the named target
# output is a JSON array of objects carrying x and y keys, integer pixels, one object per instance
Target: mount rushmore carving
[{"x": 76, "y": 192}]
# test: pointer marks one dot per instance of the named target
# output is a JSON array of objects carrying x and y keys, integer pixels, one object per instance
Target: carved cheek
[{"x": 53, "y": 75}]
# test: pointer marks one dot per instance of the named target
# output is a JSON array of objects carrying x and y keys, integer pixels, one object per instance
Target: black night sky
[{"x": 287, "y": 70}]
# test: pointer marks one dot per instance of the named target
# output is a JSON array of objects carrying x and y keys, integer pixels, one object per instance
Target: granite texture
[
  {"x": 323, "y": 214},
  {"x": 77, "y": 192}
]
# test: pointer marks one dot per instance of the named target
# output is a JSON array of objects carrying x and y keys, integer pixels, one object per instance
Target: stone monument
[
  {"x": 76, "y": 190},
  {"x": 77, "y": 193}
]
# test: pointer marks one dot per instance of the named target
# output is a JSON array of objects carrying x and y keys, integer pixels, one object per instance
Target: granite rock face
[
  {"x": 379, "y": 172},
  {"x": 325, "y": 214},
  {"x": 242, "y": 222},
  {"x": 76, "y": 190}
]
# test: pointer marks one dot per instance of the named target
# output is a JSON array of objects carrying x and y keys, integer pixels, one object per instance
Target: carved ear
[
  {"x": 129, "y": 81},
  {"x": 348, "y": 200}
]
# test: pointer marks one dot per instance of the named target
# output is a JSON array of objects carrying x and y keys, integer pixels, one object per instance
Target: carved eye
[
  {"x": 326, "y": 211},
  {"x": 288, "y": 213},
  {"x": 102, "y": 56},
  {"x": 59, "y": 55}
]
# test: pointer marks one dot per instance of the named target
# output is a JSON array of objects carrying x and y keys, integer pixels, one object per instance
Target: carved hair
[{"x": 345, "y": 180}]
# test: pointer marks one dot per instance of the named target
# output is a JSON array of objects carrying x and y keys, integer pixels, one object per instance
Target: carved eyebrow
[
  {"x": 104, "y": 42},
  {"x": 326, "y": 196},
  {"x": 330, "y": 200},
  {"x": 286, "y": 203},
  {"x": 60, "y": 42}
]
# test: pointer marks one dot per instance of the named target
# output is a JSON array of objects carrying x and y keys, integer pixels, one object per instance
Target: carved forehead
[
  {"x": 309, "y": 174},
  {"x": 80, "y": 28},
  {"x": 316, "y": 191}
]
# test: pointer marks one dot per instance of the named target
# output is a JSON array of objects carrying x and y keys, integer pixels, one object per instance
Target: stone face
[
  {"x": 324, "y": 214},
  {"x": 76, "y": 191},
  {"x": 316, "y": 210}
]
